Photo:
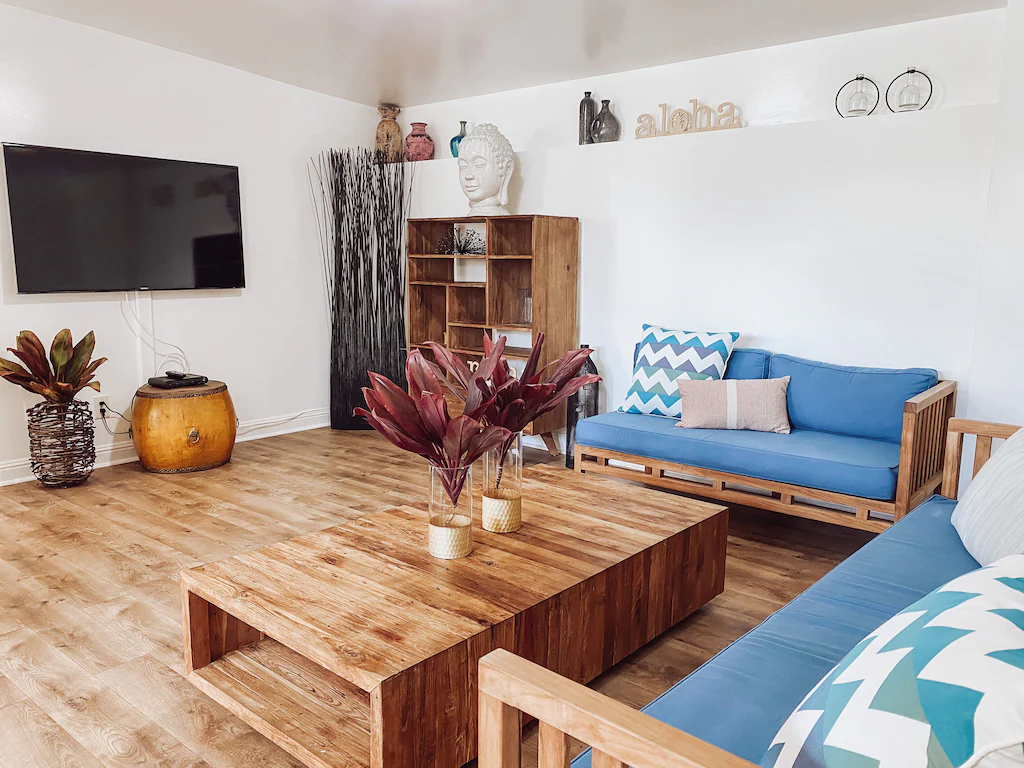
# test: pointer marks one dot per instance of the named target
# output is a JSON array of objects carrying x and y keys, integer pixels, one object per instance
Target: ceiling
[{"x": 420, "y": 51}]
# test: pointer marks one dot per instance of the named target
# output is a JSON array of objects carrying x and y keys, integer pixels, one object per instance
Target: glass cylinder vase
[
  {"x": 503, "y": 486},
  {"x": 450, "y": 527}
]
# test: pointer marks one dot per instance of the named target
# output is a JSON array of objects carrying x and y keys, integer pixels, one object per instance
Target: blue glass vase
[{"x": 456, "y": 140}]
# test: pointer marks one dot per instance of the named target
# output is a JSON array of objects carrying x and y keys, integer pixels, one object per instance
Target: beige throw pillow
[{"x": 758, "y": 404}]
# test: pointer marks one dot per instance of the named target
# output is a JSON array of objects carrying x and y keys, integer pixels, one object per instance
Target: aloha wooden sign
[{"x": 696, "y": 120}]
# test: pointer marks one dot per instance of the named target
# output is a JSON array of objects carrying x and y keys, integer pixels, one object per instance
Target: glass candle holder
[
  {"x": 450, "y": 526},
  {"x": 503, "y": 486}
]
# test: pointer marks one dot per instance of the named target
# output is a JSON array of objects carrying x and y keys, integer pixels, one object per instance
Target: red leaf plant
[
  {"x": 500, "y": 398},
  {"x": 418, "y": 421}
]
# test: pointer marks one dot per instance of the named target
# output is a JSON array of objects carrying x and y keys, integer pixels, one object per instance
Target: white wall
[
  {"x": 853, "y": 241},
  {"x": 782, "y": 84},
  {"x": 66, "y": 85},
  {"x": 998, "y": 367},
  {"x": 856, "y": 241}
]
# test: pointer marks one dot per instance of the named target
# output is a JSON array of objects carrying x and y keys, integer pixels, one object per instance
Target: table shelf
[{"x": 302, "y": 707}]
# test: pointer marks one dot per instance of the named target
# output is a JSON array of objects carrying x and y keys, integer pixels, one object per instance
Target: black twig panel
[{"x": 362, "y": 205}]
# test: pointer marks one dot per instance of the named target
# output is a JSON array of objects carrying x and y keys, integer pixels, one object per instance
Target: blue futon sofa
[
  {"x": 740, "y": 698},
  {"x": 866, "y": 445}
]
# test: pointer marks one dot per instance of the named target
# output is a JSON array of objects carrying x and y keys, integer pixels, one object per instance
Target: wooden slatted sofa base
[{"x": 922, "y": 450}]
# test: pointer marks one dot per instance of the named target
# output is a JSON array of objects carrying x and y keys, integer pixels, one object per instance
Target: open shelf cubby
[{"x": 523, "y": 286}]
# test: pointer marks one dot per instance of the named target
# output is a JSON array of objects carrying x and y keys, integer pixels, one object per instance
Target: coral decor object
[
  {"x": 418, "y": 421},
  {"x": 68, "y": 370},
  {"x": 418, "y": 144},
  {"x": 461, "y": 242}
]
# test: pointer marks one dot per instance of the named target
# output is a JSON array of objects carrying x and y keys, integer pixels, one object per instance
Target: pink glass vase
[{"x": 418, "y": 144}]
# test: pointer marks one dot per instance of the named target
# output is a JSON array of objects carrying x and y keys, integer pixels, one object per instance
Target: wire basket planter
[{"x": 61, "y": 443}]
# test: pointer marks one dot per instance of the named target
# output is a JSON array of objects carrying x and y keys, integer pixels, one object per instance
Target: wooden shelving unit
[{"x": 531, "y": 287}]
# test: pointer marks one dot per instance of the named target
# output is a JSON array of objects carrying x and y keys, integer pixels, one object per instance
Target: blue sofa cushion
[
  {"x": 739, "y": 699},
  {"x": 840, "y": 463},
  {"x": 748, "y": 363},
  {"x": 861, "y": 402}
]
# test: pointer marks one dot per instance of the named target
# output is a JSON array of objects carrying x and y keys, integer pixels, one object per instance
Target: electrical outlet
[{"x": 94, "y": 399}]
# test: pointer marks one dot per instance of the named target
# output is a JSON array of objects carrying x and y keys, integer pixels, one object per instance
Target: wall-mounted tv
[{"x": 90, "y": 221}]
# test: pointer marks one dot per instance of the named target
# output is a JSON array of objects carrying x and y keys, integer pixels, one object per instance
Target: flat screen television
[{"x": 90, "y": 221}]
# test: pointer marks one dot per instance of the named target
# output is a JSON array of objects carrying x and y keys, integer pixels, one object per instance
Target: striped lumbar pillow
[
  {"x": 667, "y": 356},
  {"x": 990, "y": 515},
  {"x": 757, "y": 405}
]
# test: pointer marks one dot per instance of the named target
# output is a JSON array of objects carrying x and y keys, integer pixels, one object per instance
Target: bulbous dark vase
[{"x": 606, "y": 127}]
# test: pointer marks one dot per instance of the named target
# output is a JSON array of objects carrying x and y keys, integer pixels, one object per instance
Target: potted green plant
[{"x": 61, "y": 434}]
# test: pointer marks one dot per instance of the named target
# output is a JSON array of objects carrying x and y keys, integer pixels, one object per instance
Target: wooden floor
[{"x": 90, "y": 622}]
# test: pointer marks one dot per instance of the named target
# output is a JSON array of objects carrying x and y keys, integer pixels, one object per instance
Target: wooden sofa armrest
[
  {"x": 619, "y": 735},
  {"x": 923, "y": 445},
  {"x": 985, "y": 431}
]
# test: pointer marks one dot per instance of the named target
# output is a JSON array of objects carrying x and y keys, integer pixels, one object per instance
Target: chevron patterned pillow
[
  {"x": 939, "y": 684},
  {"x": 666, "y": 356}
]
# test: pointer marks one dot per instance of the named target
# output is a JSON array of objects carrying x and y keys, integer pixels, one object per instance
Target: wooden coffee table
[{"x": 354, "y": 647}]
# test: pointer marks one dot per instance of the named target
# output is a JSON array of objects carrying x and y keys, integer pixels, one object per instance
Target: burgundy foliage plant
[
  {"x": 418, "y": 421},
  {"x": 497, "y": 397}
]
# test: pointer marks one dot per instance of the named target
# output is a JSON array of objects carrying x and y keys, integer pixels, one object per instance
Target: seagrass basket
[{"x": 61, "y": 443}]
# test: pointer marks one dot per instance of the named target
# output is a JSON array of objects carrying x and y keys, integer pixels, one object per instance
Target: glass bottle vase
[
  {"x": 503, "y": 486},
  {"x": 450, "y": 527}
]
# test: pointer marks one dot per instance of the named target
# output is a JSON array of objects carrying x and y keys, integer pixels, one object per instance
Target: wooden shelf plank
[
  {"x": 479, "y": 256},
  {"x": 509, "y": 256},
  {"x": 303, "y": 708},
  {"x": 449, "y": 283},
  {"x": 496, "y": 327},
  {"x": 516, "y": 353}
]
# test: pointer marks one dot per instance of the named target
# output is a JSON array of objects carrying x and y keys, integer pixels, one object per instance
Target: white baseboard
[
  {"x": 122, "y": 452},
  {"x": 283, "y": 425},
  {"x": 20, "y": 470}
]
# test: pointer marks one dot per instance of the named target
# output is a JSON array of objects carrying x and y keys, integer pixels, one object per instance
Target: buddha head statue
[{"x": 486, "y": 163}]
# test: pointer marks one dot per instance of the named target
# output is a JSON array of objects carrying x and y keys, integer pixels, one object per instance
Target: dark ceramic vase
[
  {"x": 418, "y": 144},
  {"x": 582, "y": 405},
  {"x": 606, "y": 126},
  {"x": 456, "y": 140},
  {"x": 587, "y": 110}
]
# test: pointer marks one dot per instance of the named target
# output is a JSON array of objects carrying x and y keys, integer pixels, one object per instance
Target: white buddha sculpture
[{"x": 486, "y": 164}]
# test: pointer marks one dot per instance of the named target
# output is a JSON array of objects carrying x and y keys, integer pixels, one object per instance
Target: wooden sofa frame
[
  {"x": 620, "y": 735},
  {"x": 922, "y": 449}
]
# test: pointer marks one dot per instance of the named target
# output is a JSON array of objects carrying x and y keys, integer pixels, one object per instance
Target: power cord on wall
[
  {"x": 103, "y": 417},
  {"x": 147, "y": 337}
]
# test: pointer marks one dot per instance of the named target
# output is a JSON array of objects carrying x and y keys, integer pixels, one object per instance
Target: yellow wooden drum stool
[{"x": 188, "y": 429}]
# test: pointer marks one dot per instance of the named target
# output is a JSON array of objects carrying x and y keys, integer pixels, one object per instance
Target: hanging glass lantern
[
  {"x": 914, "y": 93},
  {"x": 857, "y": 98}
]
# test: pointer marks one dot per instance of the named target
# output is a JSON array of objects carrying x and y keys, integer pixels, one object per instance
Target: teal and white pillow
[
  {"x": 939, "y": 685},
  {"x": 663, "y": 357}
]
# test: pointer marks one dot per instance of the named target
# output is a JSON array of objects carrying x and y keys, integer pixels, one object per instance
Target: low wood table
[{"x": 354, "y": 647}]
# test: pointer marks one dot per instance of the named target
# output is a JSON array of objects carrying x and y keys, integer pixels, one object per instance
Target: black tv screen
[{"x": 89, "y": 221}]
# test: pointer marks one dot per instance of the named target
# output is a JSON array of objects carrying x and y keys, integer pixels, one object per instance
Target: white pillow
[
  {"x": 990, "y": 515},
  {"x": 939, "y": 684}
]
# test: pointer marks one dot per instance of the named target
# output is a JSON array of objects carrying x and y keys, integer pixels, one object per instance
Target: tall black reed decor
[{"x": 361, "y": 205}]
